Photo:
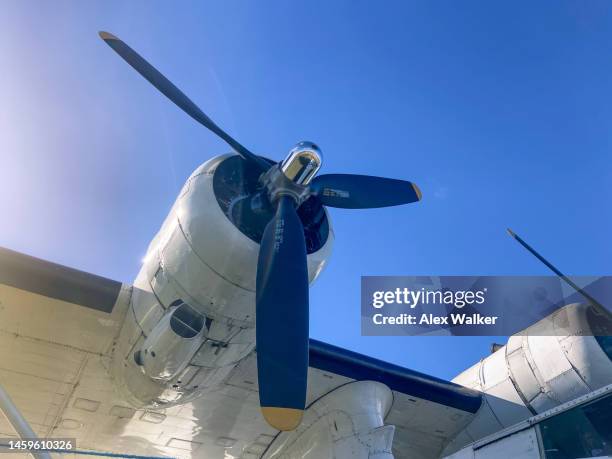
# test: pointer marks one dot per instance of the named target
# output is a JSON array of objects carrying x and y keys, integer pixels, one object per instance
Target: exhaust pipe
[{"x": 172, "y": 343}]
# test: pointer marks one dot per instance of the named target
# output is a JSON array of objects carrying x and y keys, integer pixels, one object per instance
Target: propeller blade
[
  {"x": 167, "y": 88},
  {"x": 282, "y": 318},
  {"x": 351, "y": 191}
]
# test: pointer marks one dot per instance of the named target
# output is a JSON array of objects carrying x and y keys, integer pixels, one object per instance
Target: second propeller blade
[{"x": 352, "y": 191}]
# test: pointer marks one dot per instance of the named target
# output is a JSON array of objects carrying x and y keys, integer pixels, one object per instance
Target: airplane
[{"x": 207, "y": 353}]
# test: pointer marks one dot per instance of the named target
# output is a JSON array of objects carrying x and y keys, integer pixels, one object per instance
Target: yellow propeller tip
[
  {"x": 107, "y": 36},
  {"x": 417, "y": 190},
  {"x": 284, "y": 419}
]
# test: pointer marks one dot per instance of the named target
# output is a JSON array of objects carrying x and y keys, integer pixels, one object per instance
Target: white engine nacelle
[
  {"x": 552, "y": 362},
  {"x": 204, "y": 256}
]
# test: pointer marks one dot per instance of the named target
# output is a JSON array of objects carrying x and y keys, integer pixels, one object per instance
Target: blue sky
[{"x": 501, "y": 112}]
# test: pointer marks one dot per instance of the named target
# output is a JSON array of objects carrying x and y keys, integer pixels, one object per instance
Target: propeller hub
[
  {"x": 277, "y": 184},
  {"x": 302, "y": 163}
]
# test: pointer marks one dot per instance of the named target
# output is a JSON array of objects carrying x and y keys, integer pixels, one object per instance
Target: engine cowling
[
  {"x": 556, "y": 360},
  {"x": 204, "y": 256}
]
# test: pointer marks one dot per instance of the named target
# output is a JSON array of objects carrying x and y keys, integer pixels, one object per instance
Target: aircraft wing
[{"x": 57, "y": 329}]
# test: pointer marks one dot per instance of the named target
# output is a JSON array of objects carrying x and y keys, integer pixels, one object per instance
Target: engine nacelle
[
  {"x": 563, "y": 356},
  {"x": 204, "y": 256},
  {"x": 172, "y": 343}
]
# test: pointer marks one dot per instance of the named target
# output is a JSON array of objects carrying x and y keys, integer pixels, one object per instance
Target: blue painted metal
[
  {"x": 282, "y": 311},
  {"x": 351, "y": 191},
  {"x": 168, "y": 89},
  {"x": 56, "y": 281},
  {"x": 356, "y": 366}
]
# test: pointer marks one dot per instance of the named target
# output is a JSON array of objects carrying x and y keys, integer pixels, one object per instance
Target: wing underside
[{"x": 57, "y": 328}]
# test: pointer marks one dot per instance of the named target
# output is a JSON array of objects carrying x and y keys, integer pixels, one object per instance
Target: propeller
[
  {"x": 177, "y": 96},
  {"x": 351, "y": 191},
  {"x": 282, "y": 318},
  {"x": 282, "y": 269}
]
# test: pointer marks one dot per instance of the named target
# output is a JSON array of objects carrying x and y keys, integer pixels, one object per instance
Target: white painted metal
[
  {"x": 521, "y": 445},
  {"x": 59, "y": 359},
  {"x": 164, "y": 353},
  {"x": 520, "y": 441},
  {"x": 73, "y": 373},
  {"x": 200, "y": 257},
  {"x": 19, "y": 423},
  {"x": 65, "y": 390},
  {"x": 346, "y": 423},
  {"x": 550, "y": 363},
  {"x": 423, "y": 428}
]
